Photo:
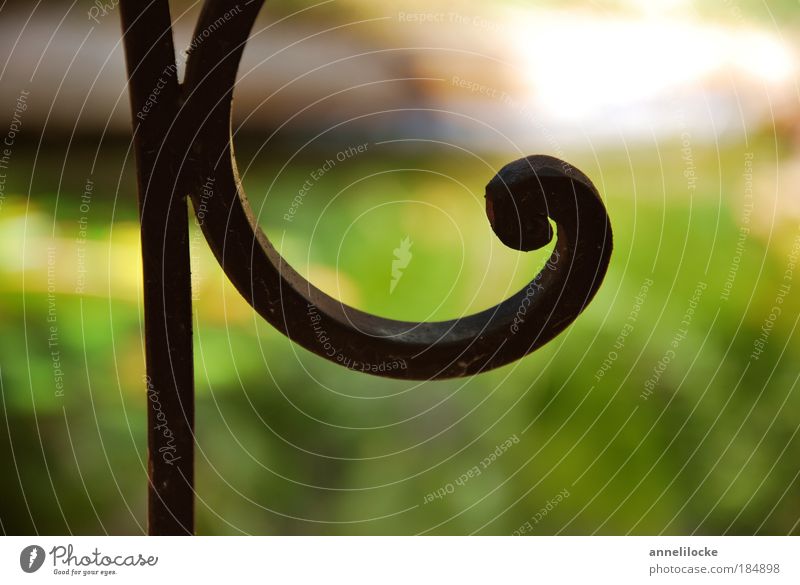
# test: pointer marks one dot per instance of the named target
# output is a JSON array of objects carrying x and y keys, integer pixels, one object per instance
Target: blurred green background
[{"x": 290, "y": 444}]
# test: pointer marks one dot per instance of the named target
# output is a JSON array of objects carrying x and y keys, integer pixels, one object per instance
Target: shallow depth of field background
[{"x": 685, "y": 115}]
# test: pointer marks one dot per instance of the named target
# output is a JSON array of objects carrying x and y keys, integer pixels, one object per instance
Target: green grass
[{"x": 289, "y": 443}]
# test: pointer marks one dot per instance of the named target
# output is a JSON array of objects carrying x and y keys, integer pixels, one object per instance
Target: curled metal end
[
  {"x": 517, "y": 208},
  {"x": 521, "y": 201},
  {"x": 517, "y": 203}
]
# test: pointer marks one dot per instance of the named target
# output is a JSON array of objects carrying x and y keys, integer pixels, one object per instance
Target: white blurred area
[
  {"x": 573, "y": 77},
  {"x": 632, "y": 74}
]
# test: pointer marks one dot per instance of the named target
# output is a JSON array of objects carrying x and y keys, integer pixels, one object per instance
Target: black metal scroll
[{"x": 183, "y": 145}]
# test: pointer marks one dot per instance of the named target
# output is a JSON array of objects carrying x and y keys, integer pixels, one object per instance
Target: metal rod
[{"x": 163, "y": 213}]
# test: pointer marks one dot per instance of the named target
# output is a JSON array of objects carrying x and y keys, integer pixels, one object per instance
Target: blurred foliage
[{"x": 290, "y": 444}]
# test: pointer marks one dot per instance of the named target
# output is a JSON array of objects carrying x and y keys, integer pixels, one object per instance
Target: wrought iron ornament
[{"x": 182, "y": 135}]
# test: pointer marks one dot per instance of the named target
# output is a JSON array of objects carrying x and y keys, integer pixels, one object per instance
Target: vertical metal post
[{"x": 155, "y": 99}]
